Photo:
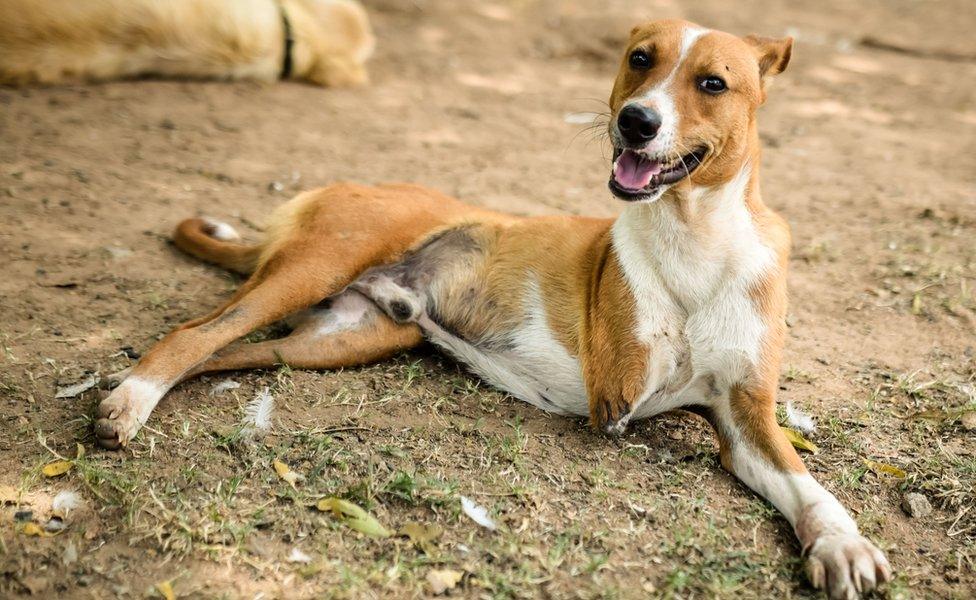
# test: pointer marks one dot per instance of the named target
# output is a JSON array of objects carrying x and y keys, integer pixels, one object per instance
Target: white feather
[
  {"x": 478, "y": 514},
  {"x": 297, "y": 556},
  {"x": 66, "y": 501},
  {"x": 223, "y": 386},
  {"x": 799, "y": 420},
  {"x": 258, "y": 412}
]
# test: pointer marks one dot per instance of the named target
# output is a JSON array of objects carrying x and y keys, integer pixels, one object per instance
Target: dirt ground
[{"x": 870, "y": 153}]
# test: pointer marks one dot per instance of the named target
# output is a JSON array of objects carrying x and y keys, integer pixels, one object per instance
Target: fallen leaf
[
  {"x": 799, "y": 442},
  {"x": 478, "y": 514},
  {"x": 885, "y": 469},
  {"x": 285, "y": 472},
  {"x": 932, "y": 414},
  {"x": 442, "y": 580},
  {"x": 79, "y": 451},
  {"x": 353, "y": 516},
  {"x": 76, "y": 389},
  {"x": 421, "y": 535},
  {"x": 56, "y": 468},
  {"x": 32, "y": 529},
  {"x": 165, "y": 589}
]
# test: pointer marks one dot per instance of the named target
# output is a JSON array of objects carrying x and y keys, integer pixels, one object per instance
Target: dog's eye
[
  {"x": 639, "y": 60},
  {"x": 712, "y": 84}
]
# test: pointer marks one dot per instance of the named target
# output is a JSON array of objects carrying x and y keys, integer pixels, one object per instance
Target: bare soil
[{"x": 870, "y": 153}]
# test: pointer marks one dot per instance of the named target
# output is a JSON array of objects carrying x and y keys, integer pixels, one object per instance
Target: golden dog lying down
[{"x": 325, "y": 42}]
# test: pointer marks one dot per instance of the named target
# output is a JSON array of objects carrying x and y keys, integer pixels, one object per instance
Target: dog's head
[
  {"x": 341, "y": 42},
  {"x": 683, "y": 106}
]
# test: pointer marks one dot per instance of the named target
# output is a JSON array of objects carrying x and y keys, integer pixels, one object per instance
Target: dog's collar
[{"x": 286, "y": 61}]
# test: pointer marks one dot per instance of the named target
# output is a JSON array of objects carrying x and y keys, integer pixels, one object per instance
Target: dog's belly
[{"x": 529, "y": 364}]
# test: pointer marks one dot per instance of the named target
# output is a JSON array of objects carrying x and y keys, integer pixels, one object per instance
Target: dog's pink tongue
[{"x": 633, "y": 172}]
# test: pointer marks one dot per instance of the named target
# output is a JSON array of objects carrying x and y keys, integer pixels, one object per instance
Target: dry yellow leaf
[
  {"x": 442, "y": 580},
  {"x": 165, "y": 589},
  {"x": 917, "y": 303},
  {"x": 285, "y": 472},
  {"x": 421, "y": 535},
  {"x": 799, "y": 442},
  {"x": 79, "y": 451},
  {"x": 56, "y": 468},
  {"x": 885, "y": 469},
  {"x": 353, "y": 516},
  {"x": 34, "y": 529}
]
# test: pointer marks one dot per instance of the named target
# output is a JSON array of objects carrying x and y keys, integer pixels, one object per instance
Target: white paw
[
  {"x": 846, "y": 565},
  {"x": 123, "y": 413},
  {"x": 118, "y": 421}
]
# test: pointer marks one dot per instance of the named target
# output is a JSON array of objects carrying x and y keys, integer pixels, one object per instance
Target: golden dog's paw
[
  {"x": 610, "y": 415},
  {"x": 846, "y": 565}
]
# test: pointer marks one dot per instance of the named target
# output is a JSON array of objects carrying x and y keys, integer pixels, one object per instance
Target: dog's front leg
[{"x": 754, "y": 448}]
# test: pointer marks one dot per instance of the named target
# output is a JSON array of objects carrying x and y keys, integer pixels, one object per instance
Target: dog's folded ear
[{"x": 773, "y": 54}]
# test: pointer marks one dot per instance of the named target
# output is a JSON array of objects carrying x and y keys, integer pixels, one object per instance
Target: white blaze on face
[{"x": 661, "y": 97}]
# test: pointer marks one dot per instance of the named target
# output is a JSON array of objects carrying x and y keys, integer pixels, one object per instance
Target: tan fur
[
  {"x": 52, "y": 41},
  {"x": 400, "y": 262},
  {"x": 195, "y": 237}
]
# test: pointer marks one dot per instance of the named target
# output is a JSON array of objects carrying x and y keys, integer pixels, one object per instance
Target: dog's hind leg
[
  {"x": 316, "y": 245},
  {"x": 264, "y": 301},
  {"x": 351, "y": 331}
]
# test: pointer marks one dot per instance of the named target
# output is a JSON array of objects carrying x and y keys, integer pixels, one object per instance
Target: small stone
[
  {"x": 916, "y": 505},
  {"x": 968, "y": 420}
]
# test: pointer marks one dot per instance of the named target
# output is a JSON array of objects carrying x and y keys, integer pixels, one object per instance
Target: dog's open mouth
[{"x": 636, "y": 175}]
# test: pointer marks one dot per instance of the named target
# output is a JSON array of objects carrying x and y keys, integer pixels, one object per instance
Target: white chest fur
[
  {"x": 692, "y": 286},
  {"x": 692, "y": 279}
]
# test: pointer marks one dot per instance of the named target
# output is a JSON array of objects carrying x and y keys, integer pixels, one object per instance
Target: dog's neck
[
  {"x": 694, "y": 238},
  {"x": 301, "y": 55}
]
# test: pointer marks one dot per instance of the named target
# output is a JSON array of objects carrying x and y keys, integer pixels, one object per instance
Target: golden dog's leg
[
  {"x": 351, "y": 332},
  {"x": 755, "y": 449},
  {"x": 268, "y": 296}
]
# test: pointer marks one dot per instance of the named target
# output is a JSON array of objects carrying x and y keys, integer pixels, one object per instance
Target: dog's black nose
[{"x": 638, "y": 124}]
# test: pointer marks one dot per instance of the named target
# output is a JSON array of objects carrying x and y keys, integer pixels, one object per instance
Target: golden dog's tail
[{"x": 218, "y": 243}]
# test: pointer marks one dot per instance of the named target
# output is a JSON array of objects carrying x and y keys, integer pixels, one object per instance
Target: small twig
[
  {"x": 936, "y": 54},
  {"x": 41, "y": 441}
]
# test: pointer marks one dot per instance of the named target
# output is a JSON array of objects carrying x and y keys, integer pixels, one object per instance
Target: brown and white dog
[
  {"x": 679, "y": 302},
  {"x": 326, "y": 42}
]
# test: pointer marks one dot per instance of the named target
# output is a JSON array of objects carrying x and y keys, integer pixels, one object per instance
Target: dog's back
[
  {"x": 44, "y": 41},
  {"x": 53, "y": 41}
]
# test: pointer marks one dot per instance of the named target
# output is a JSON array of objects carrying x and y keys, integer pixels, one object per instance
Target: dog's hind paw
[{"x": 846, "y": 565}]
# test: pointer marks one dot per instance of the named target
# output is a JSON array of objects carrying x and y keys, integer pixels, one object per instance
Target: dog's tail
[{"x": 218, "y": 243}]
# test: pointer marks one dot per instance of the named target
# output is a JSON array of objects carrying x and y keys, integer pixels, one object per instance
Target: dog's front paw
[
  {"x": 123, "y": 413},
  {"x": 846, "y": 565},
  {"x": 610, "y": 415}
]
